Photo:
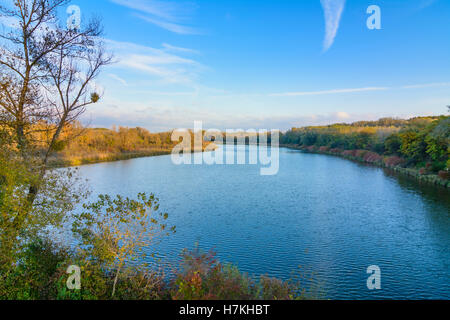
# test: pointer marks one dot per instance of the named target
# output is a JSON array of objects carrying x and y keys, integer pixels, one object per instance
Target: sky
[{"x": 269, "y": 64}]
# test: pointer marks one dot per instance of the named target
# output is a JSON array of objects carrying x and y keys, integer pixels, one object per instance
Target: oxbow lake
[{"x": 331, "y": 216}]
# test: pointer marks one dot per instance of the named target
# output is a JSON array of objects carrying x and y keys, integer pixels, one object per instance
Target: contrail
[{"x": 333, "y": 10}]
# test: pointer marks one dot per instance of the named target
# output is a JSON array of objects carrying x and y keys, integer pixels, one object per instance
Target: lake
[{"x": 326, "y": 214}]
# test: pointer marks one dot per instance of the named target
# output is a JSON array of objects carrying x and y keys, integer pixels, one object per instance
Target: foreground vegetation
[
  {"x": 41, "y": 274},
  {"x": 419, "y": 147}
]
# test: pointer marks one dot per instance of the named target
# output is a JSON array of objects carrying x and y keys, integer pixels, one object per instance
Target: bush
[
  {"x": 349, "y": 153},
  {"x": 360, "y": 154},
  {"x": 336, "y": 150},
  {"x": 33, "y": 277},
  {"x": 393, "y": 161},
  {"x": 438, "y": 166},
  {"x": 274, "y": 289},
  {"x": 372, "y": 157},
  {"x": 114, "y": 232},
  {"x": 444, "y": 174},
  {"x": 41, "y": 275},
  {"x": 204, "y": 278}
]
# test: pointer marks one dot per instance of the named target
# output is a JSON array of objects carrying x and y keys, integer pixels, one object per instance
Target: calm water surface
[{"x": 323, "y": 213}]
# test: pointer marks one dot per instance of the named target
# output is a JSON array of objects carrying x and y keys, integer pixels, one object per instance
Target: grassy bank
[
  {"x": 368, "y": 157},
  {"x": 63, "y": 161},
  {"x": 60, "y": 161}
]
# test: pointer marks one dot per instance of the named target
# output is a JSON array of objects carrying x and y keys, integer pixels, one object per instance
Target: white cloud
[
  {"x": 333, "y": 10},
  {"x": 9, "y": 22},
  {"x": 176, "y": 28},
  {"x": 172, "y": 48},
  {"x": 160, "y": 9},
  {"x": 165, "y": 66},
  {"x": 164, "y": 118},
  {"x": 335, "y": 91},
  {"x": 119, "y": 79},
  {"x": 343, "y": 115},
  {"x": 164, "y": 14}
]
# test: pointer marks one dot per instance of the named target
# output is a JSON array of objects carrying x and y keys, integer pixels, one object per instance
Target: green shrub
[{"x": 32, "y": 278}]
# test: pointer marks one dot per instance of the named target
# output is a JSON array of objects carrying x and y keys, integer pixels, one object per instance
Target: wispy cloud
[
  {"x": 427, "y": 85},
  {"x": 174, "y": 27},
  {"x": 9, "y": 22},
  {"x": 163, "y": 65},
  {"x": 164, "y": 14},
  {"x": 334, "y": 91},
  {"x": 172, "y": 48},
  {"x": 426, "y": 3},
  {"x": 333, "y": 10},
  {"x": 160, "y": 9},
  {"x": 119, "y": 79},
  {"x": 357, "y": 90}
]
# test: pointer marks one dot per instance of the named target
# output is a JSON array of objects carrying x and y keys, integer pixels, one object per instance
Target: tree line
[
  {"x": 421, "y": 142},
  {"x": 79, "y": 144}
]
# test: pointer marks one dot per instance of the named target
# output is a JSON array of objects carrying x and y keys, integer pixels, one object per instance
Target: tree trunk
[{"x": 115, "y": 282}]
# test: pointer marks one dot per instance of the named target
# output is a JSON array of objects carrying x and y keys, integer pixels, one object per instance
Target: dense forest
[{"x": 422, "y": 143}]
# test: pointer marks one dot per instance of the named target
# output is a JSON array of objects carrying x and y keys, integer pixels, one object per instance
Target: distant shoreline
[
  {"x": 61, "y": 162},
  {"x": 431, "y": 179}
]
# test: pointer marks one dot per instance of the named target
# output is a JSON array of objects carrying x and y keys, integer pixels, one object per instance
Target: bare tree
[{"x": 47, "y": 75}]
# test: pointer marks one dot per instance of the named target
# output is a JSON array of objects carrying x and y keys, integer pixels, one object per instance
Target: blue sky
[{"x": 266, "y": 64}]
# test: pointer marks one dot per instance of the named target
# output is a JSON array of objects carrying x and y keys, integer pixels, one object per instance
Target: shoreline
[
  {"x": 430, "y": 179},
  {"x": 60, "y": 162}
]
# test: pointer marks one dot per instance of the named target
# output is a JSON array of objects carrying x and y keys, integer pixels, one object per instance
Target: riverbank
[
  {"x": 368, "y": 157},
  {"x": 79, "y": 145},
  {"x": 64, "y": 160}
]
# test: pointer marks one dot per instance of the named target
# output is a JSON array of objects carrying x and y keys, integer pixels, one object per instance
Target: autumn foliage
[{"x": 421, "y": 142}]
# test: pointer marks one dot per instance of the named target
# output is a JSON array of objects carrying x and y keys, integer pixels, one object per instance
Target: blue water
[{"x": 328, "y": 215}]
